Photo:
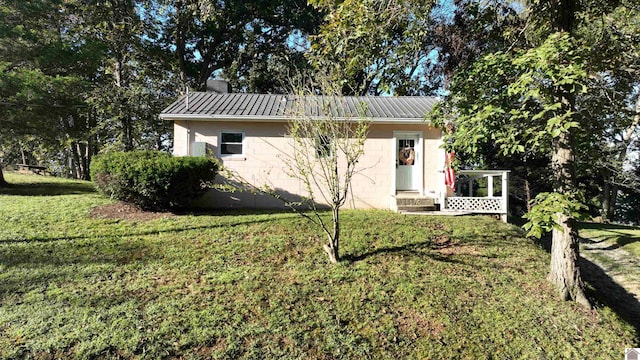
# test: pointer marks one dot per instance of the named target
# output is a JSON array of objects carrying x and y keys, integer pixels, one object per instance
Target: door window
[{"x": 406, "y": 152}]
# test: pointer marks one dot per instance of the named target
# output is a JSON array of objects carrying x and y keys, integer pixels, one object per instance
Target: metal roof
[{"x": 256, "y": 107}]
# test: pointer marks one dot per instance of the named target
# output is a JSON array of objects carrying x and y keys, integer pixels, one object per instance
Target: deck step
[
  {"x": 415, "y": 201},
  {"x": 416, "y": 208}
]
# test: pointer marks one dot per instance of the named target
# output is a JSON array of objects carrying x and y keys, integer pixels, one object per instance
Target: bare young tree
[{"x": 328, "y": 134}]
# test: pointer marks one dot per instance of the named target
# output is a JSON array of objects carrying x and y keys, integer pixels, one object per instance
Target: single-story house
[{"x": 402, "y": 165}]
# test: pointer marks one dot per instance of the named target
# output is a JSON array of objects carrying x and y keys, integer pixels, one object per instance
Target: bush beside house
[{"x": 152, "y": 180}]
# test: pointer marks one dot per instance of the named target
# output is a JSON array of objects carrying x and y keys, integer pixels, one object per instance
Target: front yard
[{"x": 251, "y": 285}]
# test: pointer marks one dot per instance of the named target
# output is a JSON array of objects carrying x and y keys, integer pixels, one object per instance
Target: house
[{"x": 402, "y": 165}]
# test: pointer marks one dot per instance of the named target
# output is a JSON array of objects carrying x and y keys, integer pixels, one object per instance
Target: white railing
[{"x": 491, "y": 203}]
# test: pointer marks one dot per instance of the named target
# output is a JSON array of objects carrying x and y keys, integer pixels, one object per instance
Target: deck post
[
  {"x": 504, "y": 187},
  {"x": 490, "y": 186}
]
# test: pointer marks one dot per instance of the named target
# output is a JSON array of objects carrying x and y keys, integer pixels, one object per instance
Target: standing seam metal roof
[{"x": 204, "y": 105}]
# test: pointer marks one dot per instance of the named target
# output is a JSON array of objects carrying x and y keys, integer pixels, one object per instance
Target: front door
[{"x": 407, "y": 162}]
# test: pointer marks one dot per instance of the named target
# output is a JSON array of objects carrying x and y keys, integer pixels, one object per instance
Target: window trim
[{"x": 242, "y": 144}]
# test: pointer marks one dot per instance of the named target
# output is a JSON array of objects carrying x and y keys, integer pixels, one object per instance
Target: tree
[
  {"x": 43, "y": 74},
  {"x": 136, "y": 79},
  {"x": 526, "y": 102},
  {"x": 535, "y": 98},
  {"x": 243, "y": 40},
  {"x": 327, "y": 140},
  {"x": 327, "y": 147},
  {"x": 375, "y": 47}
]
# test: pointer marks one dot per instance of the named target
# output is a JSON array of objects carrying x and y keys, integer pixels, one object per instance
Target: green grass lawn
[
  {"x": 617, "y": 236},
  {"x": 259, "y": 286}
]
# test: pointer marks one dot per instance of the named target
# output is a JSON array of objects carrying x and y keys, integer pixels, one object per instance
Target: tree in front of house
[
  {"x": 324, "y": 157},
  {"x": 535, "y": 98}
]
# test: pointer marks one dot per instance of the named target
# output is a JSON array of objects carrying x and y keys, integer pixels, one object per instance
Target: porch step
[
  {"x": 416, "y": 208},
  {"x": 415, "y": 204},
  {"x": 415, "y": 201}
]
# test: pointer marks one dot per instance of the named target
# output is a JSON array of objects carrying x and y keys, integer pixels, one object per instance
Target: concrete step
[
  {"x": 416, "y": 208},
  {"x": 415, "y": 201}
]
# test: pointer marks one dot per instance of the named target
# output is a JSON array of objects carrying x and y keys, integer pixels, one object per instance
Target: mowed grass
[
  {"x": 259, "y": 286},
  {"x": 616, "y": 236}
]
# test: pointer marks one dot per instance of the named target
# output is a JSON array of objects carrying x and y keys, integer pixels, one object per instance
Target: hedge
[{"x": 152, "y": 180}]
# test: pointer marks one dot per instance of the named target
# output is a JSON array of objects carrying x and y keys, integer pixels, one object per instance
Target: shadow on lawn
[
  {"x": 607, "y": 292},
  {"x": 47, "y": 189},
  {"x": 130, "y": 234},
  {"x": 620, "y": 238},
  {"x": 412, "y": 249}
]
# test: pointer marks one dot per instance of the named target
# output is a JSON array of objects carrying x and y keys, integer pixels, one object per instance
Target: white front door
[{"x": 408, "y": 162}]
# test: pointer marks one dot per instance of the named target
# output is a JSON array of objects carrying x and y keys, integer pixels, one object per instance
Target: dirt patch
[
  {"x": 126, "y": 211},
  {"x": 414, "y": 323},
  {"x": 459, "y": 250}
]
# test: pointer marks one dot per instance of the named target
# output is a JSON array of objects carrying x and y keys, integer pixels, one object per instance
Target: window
[
  {"x": 323, "y": 146},
  {"x": 231, "y": 143},
  {"x": 406, "y": 152}
]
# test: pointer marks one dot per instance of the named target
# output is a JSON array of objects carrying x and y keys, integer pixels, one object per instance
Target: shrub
[{"x": 152, "y": 180}]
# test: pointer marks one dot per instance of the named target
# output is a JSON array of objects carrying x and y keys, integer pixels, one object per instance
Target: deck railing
[{"x": 476, "y": 193}]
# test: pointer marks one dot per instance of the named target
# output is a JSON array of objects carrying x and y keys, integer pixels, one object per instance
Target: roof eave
[{"x": 209, "y": 117}]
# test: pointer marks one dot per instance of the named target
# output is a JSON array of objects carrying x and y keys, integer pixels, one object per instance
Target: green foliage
[
  {"x": 247, "y": 286},
  {"x": 152, "y": 180},
  {"x": 373, "y": 47},
  {"x": 510, "y": 99},
  {"x": 257, "y": 45},
  {"x": 546, "y": 207}
]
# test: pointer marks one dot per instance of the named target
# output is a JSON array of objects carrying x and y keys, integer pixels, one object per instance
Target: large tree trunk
[
  {"x": 565, "y": 251},
  {"x": 76, "y": 161},
  {"x": 3, "y": 182}
]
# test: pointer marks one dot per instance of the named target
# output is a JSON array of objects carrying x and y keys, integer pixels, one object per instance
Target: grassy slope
[{"x": 258, "y": 286}]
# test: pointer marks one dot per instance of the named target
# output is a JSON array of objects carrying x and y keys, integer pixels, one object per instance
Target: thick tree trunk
[
  {"x": 76, "y": 162},
  {"x": 565, "y": 271},
  {"x": 3, "y": 182}
]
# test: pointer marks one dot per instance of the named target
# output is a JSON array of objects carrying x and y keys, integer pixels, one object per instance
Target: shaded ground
[
  {"x": 125, "y": 211},
  {"x": 622, "y": 266},
  {"x": 615, "y": 275}
]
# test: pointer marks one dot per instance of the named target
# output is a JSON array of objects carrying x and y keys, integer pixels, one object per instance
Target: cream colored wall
[
  {"x": 266, "y": 146},
  {"x": 180, "y": 138}
]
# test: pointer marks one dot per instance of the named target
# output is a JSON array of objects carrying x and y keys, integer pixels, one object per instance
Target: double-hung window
[
  {"x": 231, "y": 143},
  {"x": 324, "y": 146}
]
